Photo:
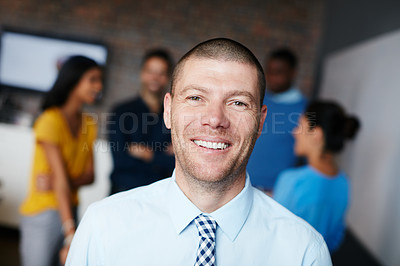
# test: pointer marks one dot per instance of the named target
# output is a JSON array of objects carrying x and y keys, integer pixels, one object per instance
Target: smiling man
[{"x": 207, "y": 213}]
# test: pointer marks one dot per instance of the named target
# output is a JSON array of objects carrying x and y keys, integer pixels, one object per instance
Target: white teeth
[{"x": 211, "y": 145}]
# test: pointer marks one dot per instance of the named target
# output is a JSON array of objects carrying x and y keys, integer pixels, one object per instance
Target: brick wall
[{"x": 130, "y": 27}]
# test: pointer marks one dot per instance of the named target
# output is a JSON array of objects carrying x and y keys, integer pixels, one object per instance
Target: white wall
[
  {"x": 16, "y": 151},
  {"x": 365, "y": 78},
  {"x": 101, "y": 187}
]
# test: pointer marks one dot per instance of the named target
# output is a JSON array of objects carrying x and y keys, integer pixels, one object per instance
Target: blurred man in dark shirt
[{"x": 139, "y": 141}]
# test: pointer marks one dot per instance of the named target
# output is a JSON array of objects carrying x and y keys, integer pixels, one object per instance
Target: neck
[
  {"x": 280, "y": 91},
  {"x": 152, "y": 100},
  {"x": 207, "y": 196},
  {"x": 324, "y": 163},
  {"x": 72, "y": 108}
]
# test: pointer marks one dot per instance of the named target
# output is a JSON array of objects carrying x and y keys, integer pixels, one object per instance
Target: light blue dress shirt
[{"x": 153, "y": 225}]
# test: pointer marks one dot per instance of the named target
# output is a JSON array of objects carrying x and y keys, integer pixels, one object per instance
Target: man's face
[
  {"x": 214, "y": 118},
  {"x": 154, "y": 75},
  {"x": 279, "y": 75}
]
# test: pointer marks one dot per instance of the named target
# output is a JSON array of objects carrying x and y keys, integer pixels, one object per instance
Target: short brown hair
[{"x": 226, "y": 50}]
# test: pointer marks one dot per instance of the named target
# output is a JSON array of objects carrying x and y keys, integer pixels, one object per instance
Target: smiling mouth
[{"x": 211, "y": 144}]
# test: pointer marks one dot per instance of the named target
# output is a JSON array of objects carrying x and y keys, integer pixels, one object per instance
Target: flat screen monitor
[{"x": 31, "y": 61}]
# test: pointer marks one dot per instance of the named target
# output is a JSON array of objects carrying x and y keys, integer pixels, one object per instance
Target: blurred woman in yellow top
[{"x": 62, "y": 162}]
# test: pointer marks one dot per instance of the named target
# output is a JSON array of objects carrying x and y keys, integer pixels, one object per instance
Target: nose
[{"x": 215, "y": 116}]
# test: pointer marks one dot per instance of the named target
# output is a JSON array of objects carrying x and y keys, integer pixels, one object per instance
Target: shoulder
[
  {"x": 51, "y": 114},
  {"x": 300, "y": 102},
  {"x": 294, "y": 173},
  {"x": 279, "y": 219},
  {"x": 302, "y": 97},
  {"x": 299, "y": 95},
  {"x": 343, "y": 176},
  {"x": 133, "y": 202},
  {"x": 289, "y": 182},
  {"x": 343, "y": 180},
  {"x": 49, "y": 118}
]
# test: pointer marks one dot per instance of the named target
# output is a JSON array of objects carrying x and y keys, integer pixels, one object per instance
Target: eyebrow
[
  {"x": 242, "y": 93},
  {"x": 195, "y": 88},
  {"x": 230, "y": 94}
]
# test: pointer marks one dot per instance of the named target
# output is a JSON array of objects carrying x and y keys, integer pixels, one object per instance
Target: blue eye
[
  {"x": 194, "y": 98},
  {"x": 237, "y": 103}
]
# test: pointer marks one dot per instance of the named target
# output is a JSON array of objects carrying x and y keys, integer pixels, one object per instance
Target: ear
[
  {"x": 318, "y": 135},
  {"x": 167, "y": 110},
  {"x": 263, "y": 115}
]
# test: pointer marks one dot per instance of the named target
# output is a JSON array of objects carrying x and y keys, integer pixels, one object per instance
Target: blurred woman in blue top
[{"x": 319, "y": 191}]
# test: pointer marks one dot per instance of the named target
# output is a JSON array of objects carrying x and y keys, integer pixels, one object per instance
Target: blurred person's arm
[
  {"x": 87, "y": 177},
  {"x": 61, "y": 188},
  {"x": 60, "y": 181},
  {"x": 147, "y": 154},
  {"x": 45, "y": 181},
  {"x": 141, "y": 151}
]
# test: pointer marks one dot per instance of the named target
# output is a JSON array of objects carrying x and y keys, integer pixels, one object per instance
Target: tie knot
[{"x": 206, "y": 225}]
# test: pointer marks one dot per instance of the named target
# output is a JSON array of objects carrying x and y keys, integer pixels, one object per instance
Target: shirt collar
[
  {"x": 230, "y": 217},
  {"x": 181, "y": 209},
  {"x": 293, "y": 95}
]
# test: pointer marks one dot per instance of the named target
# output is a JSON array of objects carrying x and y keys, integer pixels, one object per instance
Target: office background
[{"x": 315, "y": 29}]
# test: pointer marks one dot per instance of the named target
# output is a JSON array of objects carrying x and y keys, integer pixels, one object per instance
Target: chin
[
  {"x": 210, "y": 174},
  {"x": 90, "y": 101},
  {"x": 154, "y": 89},
  {"x": 299, "y": 153}
]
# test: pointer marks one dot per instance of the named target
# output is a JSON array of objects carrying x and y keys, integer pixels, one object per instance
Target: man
[
  {"x": 285, "y": 105},
  {"x": 139, "y": 141},
  {"x": 207, "y": 213}
]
